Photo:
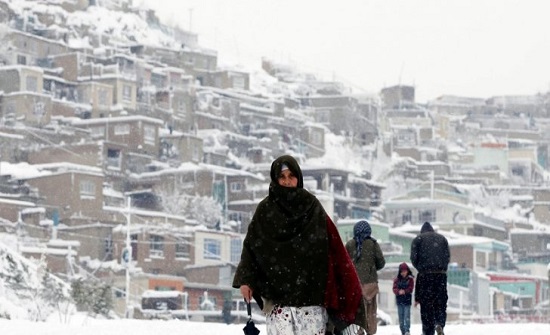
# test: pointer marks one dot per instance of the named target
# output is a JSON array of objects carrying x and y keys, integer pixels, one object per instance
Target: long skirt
[
  {"x": 370, "y": 291},
  {"x": 309, "y": 320}
]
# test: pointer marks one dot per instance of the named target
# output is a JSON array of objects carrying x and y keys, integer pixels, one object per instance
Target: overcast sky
[{"x": 477, "y": 48}]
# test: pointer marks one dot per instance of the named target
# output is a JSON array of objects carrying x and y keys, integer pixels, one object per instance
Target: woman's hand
[{"x": 246, "y": 291}]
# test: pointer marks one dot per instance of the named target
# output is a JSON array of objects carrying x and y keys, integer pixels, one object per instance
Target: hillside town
[{"x": 128, "y": 155}]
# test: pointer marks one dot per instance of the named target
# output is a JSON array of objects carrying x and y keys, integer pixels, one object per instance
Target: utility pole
[
  {"x": 128, "y": 258},
  {"x": 190, "y": 19},
  {"x": 432, "y": 185}
]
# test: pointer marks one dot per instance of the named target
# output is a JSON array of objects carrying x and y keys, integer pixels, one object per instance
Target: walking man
[{"x": 430, "y": 256}]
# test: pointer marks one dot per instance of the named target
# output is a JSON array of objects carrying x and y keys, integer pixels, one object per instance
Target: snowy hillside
[
  {"x": 27, "y": 291},
  {"x": 133, "y": 26}
]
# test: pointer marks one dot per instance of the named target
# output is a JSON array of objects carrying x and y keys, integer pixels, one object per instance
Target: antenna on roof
[
  {"x": 190, "y": 19},
  {"x": 399, "y": 85}
]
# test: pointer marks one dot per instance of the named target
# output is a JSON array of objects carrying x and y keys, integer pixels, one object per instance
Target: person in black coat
[
  {"x": 430, "y": 256},
  {"x": 293, "y": 261}
]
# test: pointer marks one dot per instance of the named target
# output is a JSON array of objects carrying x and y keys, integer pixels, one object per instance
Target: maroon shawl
[{"x": 343, "y": 295}]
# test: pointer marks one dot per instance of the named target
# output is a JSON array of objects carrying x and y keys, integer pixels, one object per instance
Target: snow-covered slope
[
  {"x": 124, "y": 27},
  {"x": 27, "y": 291}
]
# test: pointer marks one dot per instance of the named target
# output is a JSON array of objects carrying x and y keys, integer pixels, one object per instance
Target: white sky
[
  {"x": 475, "y": 48},
  {"x": 79, "y": 326}
]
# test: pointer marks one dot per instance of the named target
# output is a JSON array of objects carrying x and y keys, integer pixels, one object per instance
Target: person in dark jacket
[
  {"x": 293, "y": 261},
  {"x": 430, "y": 256},
  {"x": 368, "y": 259},
  {"x": 403, "y": 286}
]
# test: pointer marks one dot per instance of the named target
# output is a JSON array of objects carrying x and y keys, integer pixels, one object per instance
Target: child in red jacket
[{"x": 403, "y": 286}]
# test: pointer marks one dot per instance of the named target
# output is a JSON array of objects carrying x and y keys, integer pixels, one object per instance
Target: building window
[
  {"x": 235, "y": 216},
  {"x": 108, "y": 243},
  {"x": 407, "y": 217},
  {"x": 102, "y": 97},
  {"x": 113, "y": 158},
  {"x": 83, "y": 95},
  {"x": 87, "y": 188},
  {"x": 212, "y": 249},
  {"x": 481, "y": 260},
  {"x": 122, "y": 129},
  {"x": 39, "y": 109},
  {"x": 164, "y": 288},
  {"x": 127, "y": 93},
  {"x": 149, "y": 134},
  {"x": 182, "y": 107},
  {"x": 209, "y": 304},
  {"x": 97, "y": 131},
  {"x": 31, "y": 84},
  {"x": 405, "y": 137},
  {"x": 235, "y": 187},
  {"x": 236, "y": 249},
  {"x": 157, "y": 80},
  {"x": 9, "y": 109},
  {"x": 427, "y": 215},
  {"x": 239, "y": 82},
  {"x": 21, "y": 60},
  {"x": 477, "y": 231},
  {"x": 316, "y": 138},
  {"x": 175, "y": 79},
  {"x": 196, "y": 154},
  {"x": 518, "y": 171},
  {"x": 120, "y": 292},
  {"x": 323, "y": 116},
  {"x": 182, "y": 249},
  {"x": 493, "y": 261},
  {"x": 156, "y": 246}
]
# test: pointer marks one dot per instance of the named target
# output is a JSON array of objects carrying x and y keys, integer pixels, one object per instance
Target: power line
[{"x": 52, "y": 143}]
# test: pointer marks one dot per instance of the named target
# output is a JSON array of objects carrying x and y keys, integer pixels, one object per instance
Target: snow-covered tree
[
  {"x": 205, "y": 210},
  {"x": 56, "y": 293},
  {"x": 32, "y": 288},
  {"x": 93, "y": 296}
]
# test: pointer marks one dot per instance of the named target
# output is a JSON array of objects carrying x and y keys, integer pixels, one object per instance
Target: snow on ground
[{"x": 142, "y": 327}]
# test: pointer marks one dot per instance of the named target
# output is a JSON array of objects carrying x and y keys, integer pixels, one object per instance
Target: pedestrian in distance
[
  {"x": 403, "y": 286},
  {"x": 430, "y": 255},
  {"x": 293, "y": 262},
  {"x": 368, "y": 258}
]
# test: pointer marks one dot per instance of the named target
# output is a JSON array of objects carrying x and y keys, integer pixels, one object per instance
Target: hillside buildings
[{"x": 106, "y": 137}]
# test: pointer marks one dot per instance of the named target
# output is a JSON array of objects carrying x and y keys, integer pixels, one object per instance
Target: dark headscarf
[
  {"x": 361, "y": 232},
  {"x": 285, "y": 250},
  {"x": 426, "y": 227},
  {"x": 292, "y": 165}
]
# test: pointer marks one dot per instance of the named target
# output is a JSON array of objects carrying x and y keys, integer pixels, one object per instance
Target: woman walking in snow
[
  {"x": 368, "y": 259},
  {"x": 403, "y": 286},
  {"x": 293, "y": 262}
]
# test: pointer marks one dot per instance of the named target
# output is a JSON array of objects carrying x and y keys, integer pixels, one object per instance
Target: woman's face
[{"x": 287, "y": 179}]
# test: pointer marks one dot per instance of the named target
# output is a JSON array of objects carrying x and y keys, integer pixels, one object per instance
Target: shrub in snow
[{"x": 92, "y": 296}]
